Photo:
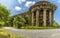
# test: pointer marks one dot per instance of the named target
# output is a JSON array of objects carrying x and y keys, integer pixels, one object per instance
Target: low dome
[{"x": 44, "y": 4}]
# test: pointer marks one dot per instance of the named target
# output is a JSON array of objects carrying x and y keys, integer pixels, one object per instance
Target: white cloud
[
  {"x": 20, "y": 1},
  {"x": 29, "y": 3},
  {"x": 58, "y": 1},
  {"x": 18, "y": 8}
]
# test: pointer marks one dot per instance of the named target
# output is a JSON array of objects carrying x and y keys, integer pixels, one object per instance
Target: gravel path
[{"x": 51, "y": 33}]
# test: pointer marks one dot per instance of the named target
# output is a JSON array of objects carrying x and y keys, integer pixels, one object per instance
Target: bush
[{"x": 19, "y": 22}]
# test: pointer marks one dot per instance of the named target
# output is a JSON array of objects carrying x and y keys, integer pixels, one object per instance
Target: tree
[
  {"x": 9, "y": 21},
  {"x": 19, "y": 22},
  {"x": 4, "y": 14},
  {"x": 55, "y": 24},
  {"x": 28, "y": 19}
]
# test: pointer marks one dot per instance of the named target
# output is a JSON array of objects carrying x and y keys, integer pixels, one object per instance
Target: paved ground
[{"x": 51, "y": 33}]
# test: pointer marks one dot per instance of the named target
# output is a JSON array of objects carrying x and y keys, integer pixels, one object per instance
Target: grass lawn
[
  {"x": 36, "y": 27},
  {"x": 6, "y": 34}
]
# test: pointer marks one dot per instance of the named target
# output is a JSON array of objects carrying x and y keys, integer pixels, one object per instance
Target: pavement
[{"x": 49, "y": 33}]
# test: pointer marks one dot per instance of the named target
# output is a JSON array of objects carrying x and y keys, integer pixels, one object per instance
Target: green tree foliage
[
  {"x": 9, "y": 21},
  {"x": 28, "y": 19},
  {"x": 19, "y": 22},
  {"x": 55, "y": 24},
  {"x": 4, "y": 14}
]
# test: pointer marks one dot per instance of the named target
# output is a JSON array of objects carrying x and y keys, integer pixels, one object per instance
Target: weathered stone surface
[{"x": 47, "y": 19}]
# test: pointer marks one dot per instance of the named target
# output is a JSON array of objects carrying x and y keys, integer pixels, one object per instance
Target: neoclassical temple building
[{"x": 42, "y": 13}]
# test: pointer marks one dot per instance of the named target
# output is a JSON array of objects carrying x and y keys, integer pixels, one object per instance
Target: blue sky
[{"x": 20, "y": 6}]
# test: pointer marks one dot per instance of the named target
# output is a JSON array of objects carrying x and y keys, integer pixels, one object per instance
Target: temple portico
[{"x": 42, "y": 13}]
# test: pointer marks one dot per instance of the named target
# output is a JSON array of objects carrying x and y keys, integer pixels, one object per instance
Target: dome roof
[{"x": 44, "y": 4}]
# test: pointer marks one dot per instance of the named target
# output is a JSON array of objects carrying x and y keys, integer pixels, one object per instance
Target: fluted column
[
  {"x": 37, "y": 17},
  {"x": 44, "y": 17},
  {"x": 32, "y": 18},
  {"x": 51, "y": 18}
]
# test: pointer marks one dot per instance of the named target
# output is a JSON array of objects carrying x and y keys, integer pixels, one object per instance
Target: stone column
[
  {"x": 32, "y": 18},
  {"x": 44, "y": 17},
  {"x": 37, "y": 17},
  {"x": 51, "y": 18}
]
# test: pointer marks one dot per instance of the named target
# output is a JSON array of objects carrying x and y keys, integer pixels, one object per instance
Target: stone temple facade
[{"x": 42, "y": 13}]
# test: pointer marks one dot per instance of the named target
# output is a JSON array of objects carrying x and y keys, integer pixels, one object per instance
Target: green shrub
[{"x": 19, "y": 22}]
